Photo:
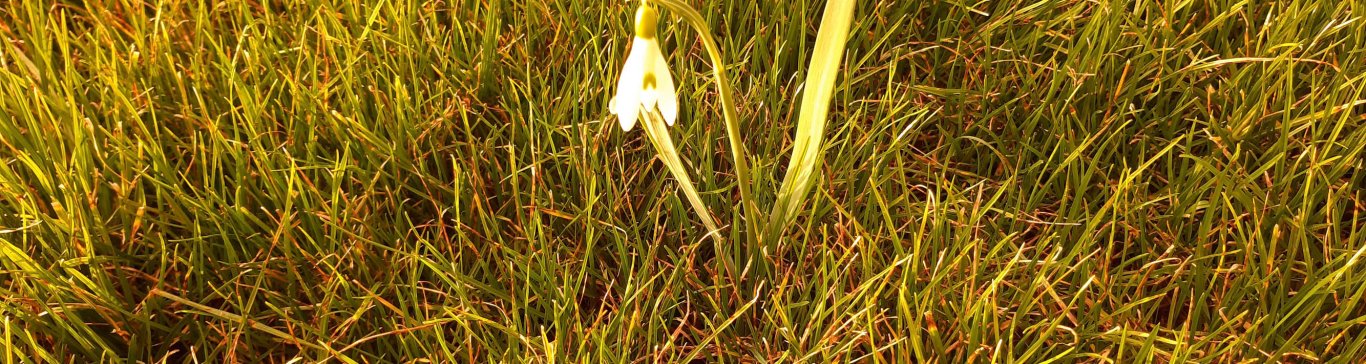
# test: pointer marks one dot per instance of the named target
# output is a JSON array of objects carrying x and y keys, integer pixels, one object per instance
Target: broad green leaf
[{"x": 819, "y": 88}]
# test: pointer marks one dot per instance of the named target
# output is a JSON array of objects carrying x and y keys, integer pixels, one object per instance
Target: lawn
[{"x": 1012, "y": 181}]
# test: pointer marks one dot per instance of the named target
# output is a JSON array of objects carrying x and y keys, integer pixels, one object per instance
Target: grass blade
[{"x": 658, "y": 134}]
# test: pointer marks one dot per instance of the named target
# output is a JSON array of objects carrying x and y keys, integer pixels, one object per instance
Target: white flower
[{"x": 645, "y": 81}]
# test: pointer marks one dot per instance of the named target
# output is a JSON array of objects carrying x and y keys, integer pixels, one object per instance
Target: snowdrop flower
[{"x": 645, "y": 81}]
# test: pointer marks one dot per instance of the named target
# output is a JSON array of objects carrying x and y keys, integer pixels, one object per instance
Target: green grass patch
[{"x": 1069, "y": 181}]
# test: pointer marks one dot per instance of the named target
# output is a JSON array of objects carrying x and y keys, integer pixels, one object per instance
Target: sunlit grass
[{"x": 1007, "y": 181}]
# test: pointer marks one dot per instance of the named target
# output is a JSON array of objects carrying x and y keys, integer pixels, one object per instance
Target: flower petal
[
  {"x": 626, "y": 104},
  {"x": 650, "y": 57},
  {"x": 664, "y": 91}
]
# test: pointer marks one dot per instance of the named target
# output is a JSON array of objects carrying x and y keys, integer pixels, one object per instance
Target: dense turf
[{"x": 1004, "y": 181}]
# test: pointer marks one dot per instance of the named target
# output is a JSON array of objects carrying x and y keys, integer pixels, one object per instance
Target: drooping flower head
[{"x": 645, "y": 84}]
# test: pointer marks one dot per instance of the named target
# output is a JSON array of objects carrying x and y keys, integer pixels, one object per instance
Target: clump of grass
[{"x": 1010, "y": 181}]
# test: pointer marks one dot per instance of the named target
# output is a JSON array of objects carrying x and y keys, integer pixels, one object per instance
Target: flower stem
[{"x": 737, "y": 148}]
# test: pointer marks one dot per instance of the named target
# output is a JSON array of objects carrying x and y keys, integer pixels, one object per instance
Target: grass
[{"x": 1072, "y": 181}]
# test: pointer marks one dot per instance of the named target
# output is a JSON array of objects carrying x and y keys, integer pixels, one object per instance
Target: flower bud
[{"x": 646, "y": 18}]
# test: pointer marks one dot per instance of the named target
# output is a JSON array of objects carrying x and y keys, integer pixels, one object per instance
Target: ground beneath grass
[{"x": 1004, "y": 181}]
